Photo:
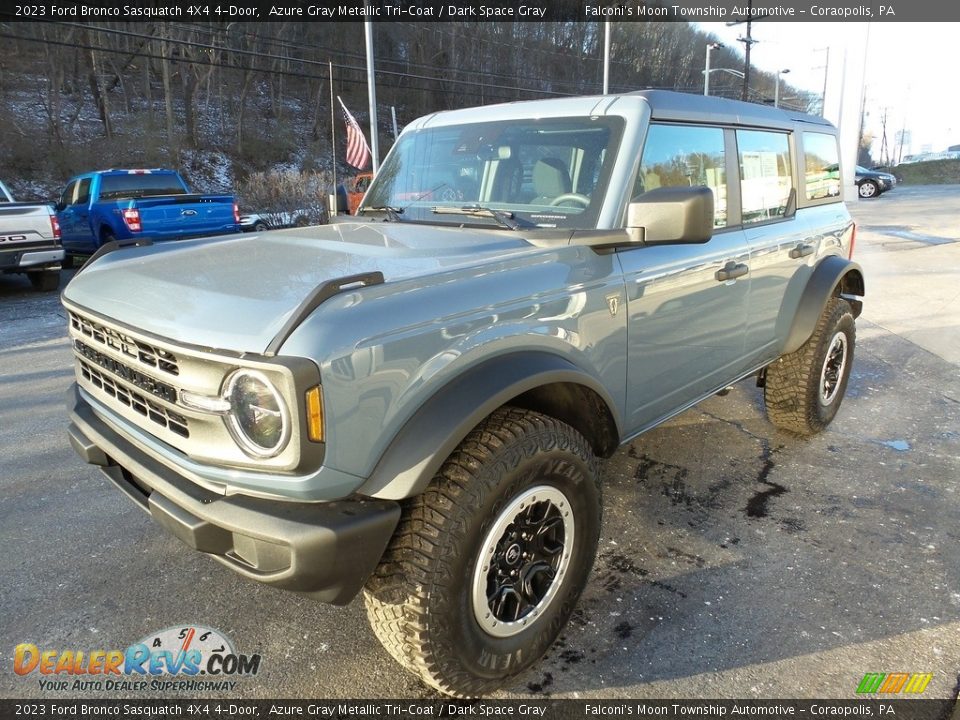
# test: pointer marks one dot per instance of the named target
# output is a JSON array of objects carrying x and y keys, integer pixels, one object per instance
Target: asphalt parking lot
[{"x": 735, "y": 561}]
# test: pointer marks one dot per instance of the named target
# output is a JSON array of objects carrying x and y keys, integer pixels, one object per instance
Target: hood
[{"x": 236, "y": 292}]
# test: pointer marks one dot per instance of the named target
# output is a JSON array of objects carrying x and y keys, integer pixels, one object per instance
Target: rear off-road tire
[
  {"x": 804, "y": 389},
  {"x": 45, "y": 280},
  {"x": 488, "y": 563}
]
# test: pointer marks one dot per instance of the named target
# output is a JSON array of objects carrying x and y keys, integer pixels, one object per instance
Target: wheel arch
[
  {"x": 105, "y": 231},
  {"x": 834, "y": 276},
  {"x": 536, "y": 381}
]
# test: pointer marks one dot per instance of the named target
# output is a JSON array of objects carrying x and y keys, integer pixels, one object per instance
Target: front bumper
[{"x": 327, "y": 550}]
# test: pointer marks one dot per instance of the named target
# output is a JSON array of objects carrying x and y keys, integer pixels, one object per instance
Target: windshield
[{"x": 549, "y": 173}]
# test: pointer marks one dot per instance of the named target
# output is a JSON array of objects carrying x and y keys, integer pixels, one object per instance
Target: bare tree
[{"x": 99, "y": 93}]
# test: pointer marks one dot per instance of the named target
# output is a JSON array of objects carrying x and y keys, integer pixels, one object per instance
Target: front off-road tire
[
  {"x": 513, "y": 514},
  {"x": 804, "y": 389}
]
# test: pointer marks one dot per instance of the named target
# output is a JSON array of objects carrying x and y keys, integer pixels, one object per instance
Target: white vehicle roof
[{"x": 663, "y": 105}]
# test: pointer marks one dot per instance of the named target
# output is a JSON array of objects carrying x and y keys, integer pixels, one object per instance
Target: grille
[
  {"x": 133, "y": 377},
  {"x": 142, "y": 352},
  {"x": 134, "y": 400}
]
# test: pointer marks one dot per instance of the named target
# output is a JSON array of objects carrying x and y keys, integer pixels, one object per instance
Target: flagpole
[
  {"x": 372, "y": 92},
  {"x": 333, "y": 146}
]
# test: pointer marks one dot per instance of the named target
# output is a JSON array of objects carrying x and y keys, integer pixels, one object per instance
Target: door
[
  {"x": 686, "y": 304},
  {"x": 779, "y": 240},
  {"x": 686, "y": 317},
  {"x": 66, "y": 215},
  {"x": 75, "y": 217}
]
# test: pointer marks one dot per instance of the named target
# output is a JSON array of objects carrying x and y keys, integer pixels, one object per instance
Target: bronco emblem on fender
[{"x": 613, "y": 303}]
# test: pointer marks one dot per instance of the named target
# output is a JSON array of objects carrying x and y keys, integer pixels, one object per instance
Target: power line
[
  {"x": 304, "y": 61},
  {"x": 205, "y": 62},
  {"x": 407, "y": 63}
]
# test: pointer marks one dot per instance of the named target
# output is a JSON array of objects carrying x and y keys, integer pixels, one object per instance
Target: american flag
[{"x": 358, "y": 152}]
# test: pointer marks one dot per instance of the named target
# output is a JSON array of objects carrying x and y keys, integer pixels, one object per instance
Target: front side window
[
  {"x": 822, "y": 161},
  {"x": 548, "y": 173},
  {"x": 83, "y": 192},
  {"x": 67, "y": 197},
  {"x": 685, "y": 156},
  {"x": 765, "y": 174}
]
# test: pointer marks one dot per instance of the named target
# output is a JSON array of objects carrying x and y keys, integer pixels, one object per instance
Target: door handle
[
  {"x": 731, "y": 271},
  {"x": 801, "y": 250}
]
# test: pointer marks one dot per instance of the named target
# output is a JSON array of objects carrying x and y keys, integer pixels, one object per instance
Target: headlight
[{"x": 258, "y": 418}]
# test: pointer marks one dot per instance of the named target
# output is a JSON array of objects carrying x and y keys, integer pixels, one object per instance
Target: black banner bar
[
  {"x": 482, "y": 10},
  {"x": 123, "y": 709}
]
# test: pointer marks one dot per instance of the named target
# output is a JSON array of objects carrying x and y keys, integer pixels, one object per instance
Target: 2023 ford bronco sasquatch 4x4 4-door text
[{"x": 412, "y": 402}]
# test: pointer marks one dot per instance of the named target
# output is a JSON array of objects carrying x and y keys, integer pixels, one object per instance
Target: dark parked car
[{"x": 871, "y": 183}]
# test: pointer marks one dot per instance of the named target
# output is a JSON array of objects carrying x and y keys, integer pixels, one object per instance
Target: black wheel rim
[
  {"x": 834, "y": 365},
  {"x": 522, "y": 561}
]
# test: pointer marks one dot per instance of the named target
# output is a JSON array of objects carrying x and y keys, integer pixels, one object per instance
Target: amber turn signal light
[{"x": 315, "y": 414}]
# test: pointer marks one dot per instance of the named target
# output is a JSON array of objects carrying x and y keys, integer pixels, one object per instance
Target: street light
[
  {"x": 706, "y": 70},
  {"x": 776, "y": 92},
  {"x": 826, "y": 75},
  {"x": 735, "y": 73}
]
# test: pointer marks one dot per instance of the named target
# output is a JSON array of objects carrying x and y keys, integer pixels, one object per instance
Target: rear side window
[
  {"x": 822, "y": 161},
  {"x": 685, "y": 156},
  {"x": 139, "y": 185},
  {"x": 766, "y": 177}
]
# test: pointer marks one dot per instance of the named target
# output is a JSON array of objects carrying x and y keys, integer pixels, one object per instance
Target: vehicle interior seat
[
  {"x": 507, "y": 180},
  {"x": 550, "y": 180}
]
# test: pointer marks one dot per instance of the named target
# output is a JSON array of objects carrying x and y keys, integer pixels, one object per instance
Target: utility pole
[
  {"x": 884, "y": 150},
  {"x": 826, "y": 73},
  {"x": 748, "y": 42},
  {"x": 863, "y": 115},
  {"x": 332, "y": 199},
  {"x": 606, "y": 57},
  {"x": 372, "y": 94}
]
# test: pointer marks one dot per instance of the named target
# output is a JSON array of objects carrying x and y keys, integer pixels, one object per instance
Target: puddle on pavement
[{"x": 898, "y": 445}]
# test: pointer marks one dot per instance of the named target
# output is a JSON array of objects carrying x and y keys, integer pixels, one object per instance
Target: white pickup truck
[{"x": 30, "y": 241}]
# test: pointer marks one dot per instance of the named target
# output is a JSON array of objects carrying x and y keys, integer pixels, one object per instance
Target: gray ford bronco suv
[{"x": 412, "y": 402}]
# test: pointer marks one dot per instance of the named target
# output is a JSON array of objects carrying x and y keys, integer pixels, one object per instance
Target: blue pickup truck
[{"x": 98, "y": 207}]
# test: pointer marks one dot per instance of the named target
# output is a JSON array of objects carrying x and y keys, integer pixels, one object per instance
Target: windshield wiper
[
  {"x": 503, "y": 217},
  {"x": 392, "y": 212}
]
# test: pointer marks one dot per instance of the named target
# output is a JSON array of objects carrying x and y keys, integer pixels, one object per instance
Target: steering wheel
[{"x": 575, "y": 197}]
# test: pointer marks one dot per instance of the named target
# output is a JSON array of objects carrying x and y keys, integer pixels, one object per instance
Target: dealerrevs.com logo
[{"x": 190, "y": 657}]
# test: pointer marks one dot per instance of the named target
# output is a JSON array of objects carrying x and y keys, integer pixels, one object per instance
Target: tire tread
[{"x": 792, "y": 382}]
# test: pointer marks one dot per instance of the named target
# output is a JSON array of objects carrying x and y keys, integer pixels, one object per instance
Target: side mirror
[{"x": 672, "y": 215}]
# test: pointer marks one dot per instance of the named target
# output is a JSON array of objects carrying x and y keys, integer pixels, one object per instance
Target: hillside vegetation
[
  {"x": 223, "y": 100},
  {"x": 932, "y": 172}
]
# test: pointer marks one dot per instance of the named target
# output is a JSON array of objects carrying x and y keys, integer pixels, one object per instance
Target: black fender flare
[
  {"x": 834, "y": 275},
  {"x": 438, "y": 426}
]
